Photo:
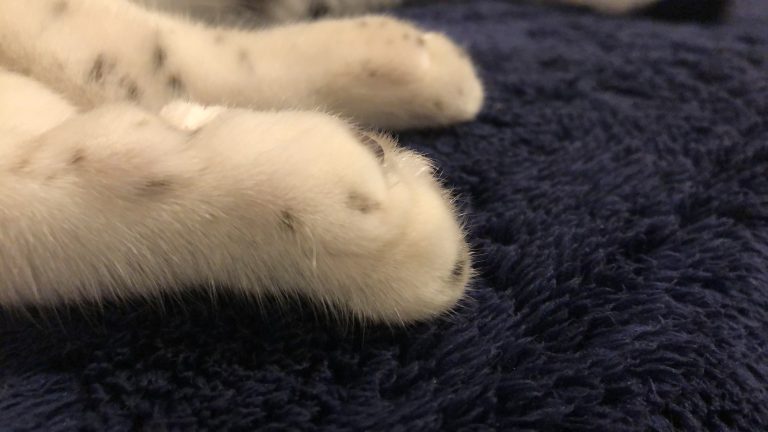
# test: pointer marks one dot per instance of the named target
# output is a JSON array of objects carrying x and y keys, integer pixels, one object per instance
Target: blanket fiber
[{"x": 616, "y": 190}]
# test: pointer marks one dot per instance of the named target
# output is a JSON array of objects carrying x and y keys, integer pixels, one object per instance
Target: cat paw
[
  {"x": 418, "y": 263},
  {"x": 401, "y": 235},
  {"x": 393, "y": 75},
  {"x": 351, "y": 221}
]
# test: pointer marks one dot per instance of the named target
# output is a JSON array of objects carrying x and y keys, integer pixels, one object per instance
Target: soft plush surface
[{"x": 616, "y": 186}]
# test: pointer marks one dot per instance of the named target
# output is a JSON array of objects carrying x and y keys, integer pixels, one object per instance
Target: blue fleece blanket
[{"x": 616, "y": 188}]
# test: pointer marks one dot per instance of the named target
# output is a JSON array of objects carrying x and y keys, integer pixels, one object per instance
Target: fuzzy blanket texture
[{"x": 616, "y": 188}]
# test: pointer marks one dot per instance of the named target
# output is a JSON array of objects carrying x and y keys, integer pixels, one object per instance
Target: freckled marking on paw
[
  {"x": 132, "y": 90},
  {"x": 244, "y": 58},
  {"x": 460, "y": 91},
  {"x": 158, "y": 57},
  {"x": 59, "y": 7},
  {"x": 155, "y": 186},
  {"x": 142, "y": 122},
  {"x": 458, "y": 269},
  {"x": 363, "y": 23},
  {"x": 372, "y": 144},
  {"x": 406, "y": 36},
  {"x": 77, "y": 157},
  {"x": 385, "y": 74},
  {"x": 175, "y": 84},
  {"x": 96, "y": 73},
  {"x": 23, "y": 163},
  {"x": 219, "y": 38},
  {"x": 457, "y": 273},
  {"x": 439, "y": 105},
  {"x": 288, "y": 220},
  {"x": 359, "y": 202},
  {"x": 421, "y": 40}
]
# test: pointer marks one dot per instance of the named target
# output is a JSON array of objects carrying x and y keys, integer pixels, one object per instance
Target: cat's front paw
[
  {"x": 342, "y": 216},
  {"x": 402, "y": 243},
  {"x": 391, "y": 74}
]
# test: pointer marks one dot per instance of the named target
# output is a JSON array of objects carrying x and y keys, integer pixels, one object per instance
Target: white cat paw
[
  {"x": 402, "y": 238},
  {"x": 348, "y": 219},
  {"x": 392, "y": 74}
]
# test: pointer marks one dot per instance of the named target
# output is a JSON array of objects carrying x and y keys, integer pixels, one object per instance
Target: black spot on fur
[
  {"x": 459, "y": 268},
  {"x": 359, "y": 202},
  {"x": 372, "y": 144},
  {"x": 96, "y": 73},
  {"x": 176, "y": 84},
  {"x": 155, "y": 186},
  {"x": 288, "y": 220},
  {"x": 23, "y": 163},
  {"x": 77, "y": 157},
  {"x": 59, "y": 8},
  {"x": 157, "y": 183},
  {"x": 158, "y": 57},
  {"x": 132, "y": 90}
]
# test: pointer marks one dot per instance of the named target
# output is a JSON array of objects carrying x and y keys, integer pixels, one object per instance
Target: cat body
[{"x": 143, "y": 152}]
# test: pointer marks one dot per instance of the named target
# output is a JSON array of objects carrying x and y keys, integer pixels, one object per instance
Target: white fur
[
  {"x": 114, "y": 183},
  {"x": 106, "y": 194}
]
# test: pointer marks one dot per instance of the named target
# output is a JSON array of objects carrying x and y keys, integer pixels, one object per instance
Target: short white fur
[
  {"x": 118, "y": 178},
  {"x": 142, "y": 152}
]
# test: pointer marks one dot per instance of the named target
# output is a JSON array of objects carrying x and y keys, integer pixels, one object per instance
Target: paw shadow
[{"x": 189, "y": 331}]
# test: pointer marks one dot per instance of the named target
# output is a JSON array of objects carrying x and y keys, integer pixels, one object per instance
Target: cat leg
[
  {"x": 118, "y": 202},
  {"x": 28, "y": 108},
  {"x": 377, "y": 71}
]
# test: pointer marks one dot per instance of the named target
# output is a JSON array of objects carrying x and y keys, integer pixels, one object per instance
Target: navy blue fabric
[{"x": 616, "y": 190}]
